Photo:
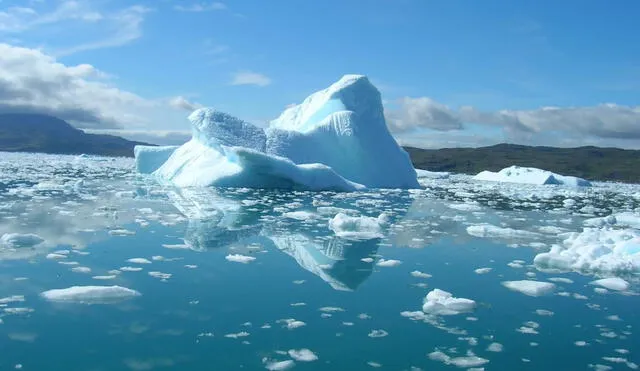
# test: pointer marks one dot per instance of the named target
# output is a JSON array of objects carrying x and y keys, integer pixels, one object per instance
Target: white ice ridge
[
  {"x": 90, "y": 294},
  {"x": 336, "y": 139},
  {"x": 440, "y": 302},
  {"x": 530, "y": 175}
]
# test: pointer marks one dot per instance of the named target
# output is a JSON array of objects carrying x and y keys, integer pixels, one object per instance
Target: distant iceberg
[
  {"x": 530, "y": 175},
  {"x": 336, "y": 139}
]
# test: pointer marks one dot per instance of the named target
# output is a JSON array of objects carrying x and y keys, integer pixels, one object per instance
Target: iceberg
[
  {"x": 336, "y": 139},
  {"x": 531, "y": 175}
]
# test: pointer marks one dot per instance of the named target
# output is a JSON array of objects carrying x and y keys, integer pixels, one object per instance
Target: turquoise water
[{"x": 217, "y": 314}]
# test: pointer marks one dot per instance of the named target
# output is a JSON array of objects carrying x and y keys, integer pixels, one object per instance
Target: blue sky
[{"x": 501, "y": 60}]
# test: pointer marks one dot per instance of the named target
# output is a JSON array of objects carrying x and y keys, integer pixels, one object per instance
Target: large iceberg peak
[
  {"x": 215, "y": 128},
  {"x": 343, "y": 126},
  {"x": 352, "y": 93}
]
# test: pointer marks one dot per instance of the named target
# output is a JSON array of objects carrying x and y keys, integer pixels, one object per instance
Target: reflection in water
[{"x": 335, "y": 261}]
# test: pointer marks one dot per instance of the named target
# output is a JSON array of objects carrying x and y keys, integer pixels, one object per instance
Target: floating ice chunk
[
  {"x": 530, "y": 175},
  {"x": 378, "y": 334},
  {"x": 54, "y": 256},
  {"x": 237, "y": 335},
  {"x": 81, "y": 270},
  {"x": 139, "y": 261},
  {"x": 530, "y": 288},
  {"x": 462, "y": 362},
  {"x": 439, "y": 302},
  {"x": 17, "y": 240},
  {"x": 492, "y": 231},
  {"x": 161, "y": 275},
  {"x": 595, "y": 250},
  {"x": 544, "y": 312},
  {"x": 300, "y": 215},
  {"x": 105, "y": 277},
  {"x": 331, "y": 309},
  {"x": 279, "y": 365},
  {"x": 357, "y": 227},
  {"x": 495, "y": 347},
  {"x": 419, "y": 274},
  {"x": 612, "y": 283},
  {"x": 90, "y": 294},
  {"x": 150, "y": 158},
  {"x": 388, "y": 263},
  {"x": 130, "y": 269},
  {"x": 12, "y": 299},
  {"x": 239, "y": 258},
  {"x": 303, "y": 355},
  {"x": 483, "y": 270},
  {"x": 561, "y": 280}
]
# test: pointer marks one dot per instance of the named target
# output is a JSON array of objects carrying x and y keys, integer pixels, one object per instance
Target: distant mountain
[
  {"x": 21, "y": 132},
  {"x": 586, "y": 162}
]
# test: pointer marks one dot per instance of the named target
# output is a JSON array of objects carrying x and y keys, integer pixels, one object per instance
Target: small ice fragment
[
  {"x": 612, "y": 283},
  {"x": 53, "y": 256},
  {"x": 530, "y": 288},
  {"x": 105, "y": 277},
  {"x": 331, "y": 309},
  {"x": 139, "y": 261},
  {"x": 303, "y": 355},
  {"x": 238, "y": 258},
  {"x": 367, "y": 260},
  {"x": 279, "y": 365},
  {"x": 483, "y": 270},
  {"x": 495, "y": 347},
  {"x": 160, "y": 275},
  {"x": 544, "y": 312},
  {"x": 378, "y": 334},
  {"x": 561, "y": 280},
  {"x": 419, "y": 274},
  {"x": 237, "y": 335},
  {"x": 357, "y": 227},
  {"x": 81, "y": 269},
  {"x": 388, "y": 263},
  {"x": 440, "y": 302},
  {"x": 581, "y": 343},
  {"x": 130, "y": 269}
]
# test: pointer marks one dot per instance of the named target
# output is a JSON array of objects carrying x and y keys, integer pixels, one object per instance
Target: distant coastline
[{"x": 47, "y": 134}]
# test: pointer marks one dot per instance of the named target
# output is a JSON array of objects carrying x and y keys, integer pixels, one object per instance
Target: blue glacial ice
[{"x": 336, "y": 139}]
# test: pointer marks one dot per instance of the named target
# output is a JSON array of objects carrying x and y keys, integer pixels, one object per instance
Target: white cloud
[
  {"x": 422, "y": 112},
  {"x": 108, "y": 28},
  {"x": 201, "y": 7},
  {"x": 250, "y": 78},
  {"x": 33, "y": 82},
  {"x": 426, "y": 123},
  {"x": 181, "y": 102}
]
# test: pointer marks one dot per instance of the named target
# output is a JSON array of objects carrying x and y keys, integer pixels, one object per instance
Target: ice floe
[
  {"x": 303, "y": 355},
  {"x": 529, "y": 175},
  {"x": 239, "y": 258},
  {"x": 90, "y": 294},
  {"x": 440, "y": 302},
  {"x": 357, "y": 227},
  {"x": 612, "y": 283},
  {"x": 530, "y": 288}
]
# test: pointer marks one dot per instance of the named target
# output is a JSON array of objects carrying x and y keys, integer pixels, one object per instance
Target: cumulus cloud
[
  {"x": 250, "y": 78},
  {"x": 422, "y": 112},
  {"x": 34, "y": 82},
  {"x": 604, "y": 124},
  {"x": 181, "y": 102}
]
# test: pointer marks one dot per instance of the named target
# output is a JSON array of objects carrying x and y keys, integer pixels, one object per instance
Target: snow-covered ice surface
[
  {"x": 460, "y": 274},
  {"x": 336, "y": 139},
  {"x": 530, "y": 175}
]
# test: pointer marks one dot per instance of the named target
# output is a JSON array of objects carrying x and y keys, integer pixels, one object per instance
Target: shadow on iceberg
[{"x": 336, "y": 139}]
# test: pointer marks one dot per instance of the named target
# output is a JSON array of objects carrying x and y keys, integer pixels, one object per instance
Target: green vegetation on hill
[
  {"x": 41, "y": 133},
  {"x": 586, "y": 162}
]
